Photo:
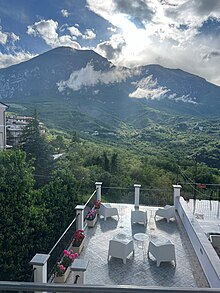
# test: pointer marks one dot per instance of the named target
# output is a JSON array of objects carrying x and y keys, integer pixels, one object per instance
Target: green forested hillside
[{"x": 155, "y": 154}]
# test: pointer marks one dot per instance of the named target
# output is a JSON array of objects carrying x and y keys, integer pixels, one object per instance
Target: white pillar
[
  {"x": 136, "y": 195},
  {"x": 39, "y": 263},
  {"x": 79, "y": 267},
  {"x": 176, "y": 195},
  {"x": 98, "y": 190},
  {"x": 79, "y": 217}
]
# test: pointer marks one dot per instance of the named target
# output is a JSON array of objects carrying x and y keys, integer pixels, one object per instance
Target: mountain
[{"x": 79, "y": 89}]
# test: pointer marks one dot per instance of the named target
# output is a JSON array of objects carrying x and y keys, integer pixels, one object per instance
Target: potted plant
[
  {"x": 91, "y": 218},
  {"x": 78, "y": 241},
  {"x": 63, "y": 267},
  {"x": 97, "y": 205}
]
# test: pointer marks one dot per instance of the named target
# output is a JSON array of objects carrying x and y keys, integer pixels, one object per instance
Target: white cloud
[
  {"x": 6, "y": 37},
  {"x": 74, "y": 31},
  {"x": 47, "y": 30},
  {"x": 11, "y": 59},
  {"x": 3, "y": 38},
  {"x": 65, "y": 13},
  {"x": 147, "y": 88},
  {"x": 164, "y": 32},
  {"x": 87, "y": 77},
  {"x": 89, "y": 34}
]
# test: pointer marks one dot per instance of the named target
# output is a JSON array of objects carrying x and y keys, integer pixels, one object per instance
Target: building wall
[
  {"x": 2, "y": 127},
  {"x": 208, "y": 258}
]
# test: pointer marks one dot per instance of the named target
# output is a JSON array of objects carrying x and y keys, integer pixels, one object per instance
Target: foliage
[
  {"x": 78, "y": 237},
  {"x": 91, "y": 215},
  {"x": 67, "y": 260},
  {"x": 34, "y": 143},
  {"x": 16, "y": 202},
  {"x": 97, "y": 204}
]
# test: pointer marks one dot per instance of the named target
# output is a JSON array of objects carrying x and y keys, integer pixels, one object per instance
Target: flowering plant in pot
[
  {"x": 78, "y": 241},
  {"x": 91, "y": 218},
  {"x": 91, "y": 215},
  {"x": 78, "y": 237},
  {"x": 63, "y": 267},
  {"x": 97, "y": 204}
]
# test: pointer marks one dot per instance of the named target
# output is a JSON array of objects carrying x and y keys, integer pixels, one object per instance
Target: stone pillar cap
[
  {"x": 137, "y": 185},
  {"x": 79, "y": 207},
  {"x": 177, "y": 186},
  {"x": 39, "y": 259}
]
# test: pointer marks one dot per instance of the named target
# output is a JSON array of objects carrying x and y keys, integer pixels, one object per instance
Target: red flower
[
  {"x": 78, "y": 237},
  {"x": 97, "y": 204}
]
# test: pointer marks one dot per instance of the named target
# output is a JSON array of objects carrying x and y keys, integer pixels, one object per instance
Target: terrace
[{"x": 197, "y": 264}]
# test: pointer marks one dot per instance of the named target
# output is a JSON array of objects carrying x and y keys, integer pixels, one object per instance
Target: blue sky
[{"x": 173, "y": 33}]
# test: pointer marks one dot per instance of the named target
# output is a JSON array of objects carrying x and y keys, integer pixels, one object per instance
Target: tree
[
  {"x": 37, "y": 149},
  {"x": 16, "y": 182}
]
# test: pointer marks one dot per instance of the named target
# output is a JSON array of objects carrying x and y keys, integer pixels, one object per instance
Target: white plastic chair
[
  {"x": 162, "y": 251},
  {"x": 139, "y": 217},
  {"x": 106, "y": 210},
  {"x": 167, "y": 212},
  {"x": 120, "y": 248},
  {"x": 215, "y": 241}
]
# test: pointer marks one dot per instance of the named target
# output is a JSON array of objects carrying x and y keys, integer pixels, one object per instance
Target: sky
[{"x": 181, "y": 34}]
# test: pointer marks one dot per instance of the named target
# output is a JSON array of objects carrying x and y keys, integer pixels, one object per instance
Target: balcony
[
  {"x": 197, "y": 264},
  {"x": 139, "y": 271}
]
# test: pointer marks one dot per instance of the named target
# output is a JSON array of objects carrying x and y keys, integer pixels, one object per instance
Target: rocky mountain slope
[{"x": 81, "y": 89}]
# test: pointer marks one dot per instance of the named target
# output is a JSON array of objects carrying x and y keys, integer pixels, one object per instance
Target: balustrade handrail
[
  {"x": 40, "y": 287},
  {"x": 63, "y": 234},
  {"x": 90, "y": 198}
]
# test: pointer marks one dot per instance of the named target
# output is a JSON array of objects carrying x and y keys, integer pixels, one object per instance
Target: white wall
[{"x": 206, "y": 254}]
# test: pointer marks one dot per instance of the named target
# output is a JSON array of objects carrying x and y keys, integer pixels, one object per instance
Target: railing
[
  {"x": 150, "y": 197},
  {"x": 200, "y": 191},
  {"x": 65, "y": 240},
  {"x": 34, "y": 287},
  {"x": 89, "y": 205},
  {"x": 203, "y": 199},
  {"x": 56, "y": 251}
]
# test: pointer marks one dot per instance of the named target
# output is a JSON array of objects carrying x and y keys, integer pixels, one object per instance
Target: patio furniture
[
  {"x": 106, "y": 210},
  {"x": 215, "y": 241},
  {"x": 167, "y": 212},
  {"x": 139, "y": 217},
  {"x": 162, "y": 251},
  {"x": 143, "y": 239},
  {"x": 120, "y": 247}
]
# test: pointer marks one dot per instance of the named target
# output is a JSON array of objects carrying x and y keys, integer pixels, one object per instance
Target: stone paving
[{"x": 139, "y": 271}]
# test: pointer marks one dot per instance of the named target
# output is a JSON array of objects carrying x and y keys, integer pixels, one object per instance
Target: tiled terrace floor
[{"x": 187, "y": 272}]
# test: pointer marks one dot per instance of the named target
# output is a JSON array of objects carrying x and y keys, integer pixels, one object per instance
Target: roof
[{"x": 4, "y": 105}]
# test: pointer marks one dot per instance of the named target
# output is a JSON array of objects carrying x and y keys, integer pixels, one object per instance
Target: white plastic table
[{"x": 143, "y": 238}]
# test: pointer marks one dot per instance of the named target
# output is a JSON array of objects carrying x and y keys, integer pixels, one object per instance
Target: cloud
[
  {"x": 113, "y": 48},
  {"x": 6, "y": 37},
  {"x": 88, "y": 77},
  {"x": 47, "y": 30},
  {"x": 167, "y": 32},
  {"x": 11, "y": 59},
  {"x": 3, "y": 38},
  {"x": 183, "y": 98},
  {"x": 89, "y": 34},
  {"x": 212, "y": 54},
  {"x": 136, "y": 10},
  {"x": 65, "y": 13},
  {"x": 74, "y": 31},
  {"x": 148, "y": 88}
]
